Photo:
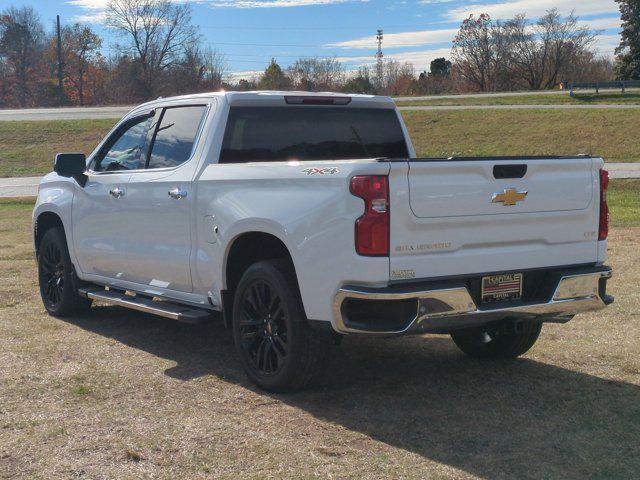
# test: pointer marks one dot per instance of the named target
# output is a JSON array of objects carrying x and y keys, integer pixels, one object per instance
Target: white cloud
[
  {"x": 89, "y": 4},
  {"x": 606, "y": 44},
  {"x": 603, "y": 23},
  {"x": 101, "y": 4},
  {"x": 420, "y": 59},
  {"x": 273, "y": 3},
  {"x": 533, "y": 8},
  {"x": 244, "y": 75},
  {"x": 404, "y": 39},
  {"x": 95, "y": 17}
]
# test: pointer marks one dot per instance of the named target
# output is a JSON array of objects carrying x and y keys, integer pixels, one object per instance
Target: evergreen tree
[
  {"x": 628, "y": 60},
  {"x": 273, "y": 78}
]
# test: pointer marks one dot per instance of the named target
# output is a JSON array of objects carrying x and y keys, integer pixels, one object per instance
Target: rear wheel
[
  {"x": 58, "y": 283},
  {"x": 498, "y": 341},
  {"x": 278, "y": 349}
]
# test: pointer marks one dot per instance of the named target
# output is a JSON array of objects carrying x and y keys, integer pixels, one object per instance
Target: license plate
[{"x": 501, "y": 288}]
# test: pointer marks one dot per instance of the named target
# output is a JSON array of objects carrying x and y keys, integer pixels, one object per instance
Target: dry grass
[
  {"x": 611, "y": 134},
  {"x": 612, "y": 98},
  {"x": 117, "y": 394},
  {"x": 28, "y": 148}
]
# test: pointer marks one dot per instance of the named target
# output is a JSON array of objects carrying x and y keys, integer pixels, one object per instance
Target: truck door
[
  {"x": 98, "y": 211},
  {"x": 159, "y": 202}
]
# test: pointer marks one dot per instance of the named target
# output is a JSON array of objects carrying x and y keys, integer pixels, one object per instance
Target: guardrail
[{"x": 621, "y": 84}]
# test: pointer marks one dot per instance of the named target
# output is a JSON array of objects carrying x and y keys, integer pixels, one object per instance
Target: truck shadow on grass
[{"x": 516, "y": 419}]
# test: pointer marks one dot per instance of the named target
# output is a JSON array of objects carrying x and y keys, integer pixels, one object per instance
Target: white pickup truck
[{"x": 305, "y": 217}]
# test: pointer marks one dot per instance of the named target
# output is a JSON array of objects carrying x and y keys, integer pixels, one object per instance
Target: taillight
[
  {"x": 372, "y": 228},
  {"x": 603, "y": 230}
]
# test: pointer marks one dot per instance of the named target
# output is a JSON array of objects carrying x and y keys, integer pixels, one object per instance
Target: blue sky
[{"x": 250, "y": 32}]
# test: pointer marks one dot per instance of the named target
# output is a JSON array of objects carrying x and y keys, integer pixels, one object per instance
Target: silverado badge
[{"x": 508, "y": 197}]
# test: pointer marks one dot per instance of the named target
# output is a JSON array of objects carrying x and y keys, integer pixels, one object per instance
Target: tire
[
  {"x": 498, "y": 342},
  {"x": 56, "y": 276},
  {"x": 278, "y": 349}
]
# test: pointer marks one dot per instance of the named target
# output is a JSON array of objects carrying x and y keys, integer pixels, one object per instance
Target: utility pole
[
  {"x": 379, "y": 65},
  {"x": 60, "y": 87}
]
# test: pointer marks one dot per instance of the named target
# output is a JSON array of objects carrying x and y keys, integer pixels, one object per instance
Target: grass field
[
  {"x": 118, "y": 394},
  {"x": 612, "y": 134},
  {"x": 27, "y": 148},
  {"x": 632, "y": 98}
]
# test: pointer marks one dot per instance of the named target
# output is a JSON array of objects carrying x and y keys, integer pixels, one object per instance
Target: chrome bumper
[{"x": 446, "y": 309}]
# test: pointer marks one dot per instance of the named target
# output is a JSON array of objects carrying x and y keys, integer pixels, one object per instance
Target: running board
[{"x": 174, "y": 311}]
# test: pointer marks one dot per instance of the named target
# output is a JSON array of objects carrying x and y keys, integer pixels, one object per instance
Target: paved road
[
  {"x": 19, "y": 187},
  {"x": 75, "y": 113},
  {"x": 28, "y": 186},
  {"x": 484, "y": 95},
  {"x": 504, "y": 94}
]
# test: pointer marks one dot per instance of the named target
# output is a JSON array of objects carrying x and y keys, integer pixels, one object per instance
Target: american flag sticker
[{"x": 502, "y": 287}]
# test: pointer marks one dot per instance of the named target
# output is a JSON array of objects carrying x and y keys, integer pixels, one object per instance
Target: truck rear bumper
[{"x": 449, "y": 306}]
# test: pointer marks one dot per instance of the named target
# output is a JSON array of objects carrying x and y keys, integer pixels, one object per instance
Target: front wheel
[
  {"x": 58, "y": 284},
  {"x": 278, "y": 349},
  {"x": 498, "y": 341}
]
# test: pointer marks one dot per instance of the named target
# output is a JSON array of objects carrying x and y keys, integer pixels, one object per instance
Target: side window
[
  {"x": 173, "y": 140},
  {"x": 127, "y": 151}
]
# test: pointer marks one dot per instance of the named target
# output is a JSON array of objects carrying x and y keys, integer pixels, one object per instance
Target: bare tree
[
  {"x": 81, "y": 47},
  {"x": 398, "y": 78},
  {"x": 157, "y": 33},
  {"x": 542, "y": 51},
  {"x": 199, "y": 70},
  {"x": 216, "y": 68},
  {"x": 511, "y": 54},
  {"x": 316, "y": 74},
  {"x": 22, "y": 41},
  {"x": 473, "y": 51}
]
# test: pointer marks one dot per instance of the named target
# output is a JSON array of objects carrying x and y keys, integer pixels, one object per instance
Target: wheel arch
[
  {"x": 45, "y": 221},
  {"x": 244, "y": 250}
]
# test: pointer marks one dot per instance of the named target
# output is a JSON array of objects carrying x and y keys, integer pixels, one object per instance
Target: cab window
[
  {"x": 173, "y": 141},
  {"x": 127, "y": 149}
]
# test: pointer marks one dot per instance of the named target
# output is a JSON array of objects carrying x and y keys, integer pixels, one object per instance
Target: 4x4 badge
[{"x": 321, "y": 171}]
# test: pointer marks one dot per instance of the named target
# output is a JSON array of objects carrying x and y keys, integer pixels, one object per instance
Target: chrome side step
[{"x": 174, "y": 311}]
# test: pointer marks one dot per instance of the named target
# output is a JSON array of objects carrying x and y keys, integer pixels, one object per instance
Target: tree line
[{"x": 160, "y": 52}]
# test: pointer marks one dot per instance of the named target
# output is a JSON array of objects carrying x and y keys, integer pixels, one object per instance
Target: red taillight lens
[
  {"x": 372, "y": 228},
  {"x": 603, "y": 230}
]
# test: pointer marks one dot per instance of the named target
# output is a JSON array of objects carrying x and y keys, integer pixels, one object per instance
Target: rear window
[{"x": 271, "y": 134}]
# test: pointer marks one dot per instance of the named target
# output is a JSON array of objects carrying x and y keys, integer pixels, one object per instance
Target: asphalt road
[
  {"x": 28, "y": 186},
  {"x": 484, "y": 95},
  {"x": 67, "y": 113},
  {"x": 78, "y": 113}
]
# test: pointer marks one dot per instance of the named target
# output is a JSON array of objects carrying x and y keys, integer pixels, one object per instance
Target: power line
[
  {"x": 269, "y": 45},
  {"x": 278, "y": 55},
  {"x": 344, "y": 27},
  {"x": 373, "y": 44}
]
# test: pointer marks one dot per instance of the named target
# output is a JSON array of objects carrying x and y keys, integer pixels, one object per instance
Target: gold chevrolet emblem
[{"x": 508, "y": 197}]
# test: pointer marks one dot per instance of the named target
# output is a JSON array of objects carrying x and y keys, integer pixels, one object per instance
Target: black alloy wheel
[
  {"x": 52, "y": 274},
  {"x": 263, "y": 327},
  {"x": 278, "y": 348},
  {"x": 58, "y": 285}
]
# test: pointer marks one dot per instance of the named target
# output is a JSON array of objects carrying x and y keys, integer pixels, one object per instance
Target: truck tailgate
[{"x": 466, "y": 216}]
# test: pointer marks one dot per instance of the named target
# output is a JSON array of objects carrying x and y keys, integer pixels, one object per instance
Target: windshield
[{"x": 271, "y": 134}]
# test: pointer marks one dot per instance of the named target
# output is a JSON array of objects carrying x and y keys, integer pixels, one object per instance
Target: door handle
[
  {"x": 116, "y": 192},
  {"x": 177, "y": 194}
]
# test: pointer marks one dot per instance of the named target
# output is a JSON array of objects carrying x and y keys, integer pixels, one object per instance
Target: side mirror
[{"x": 70, "y": 164}]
